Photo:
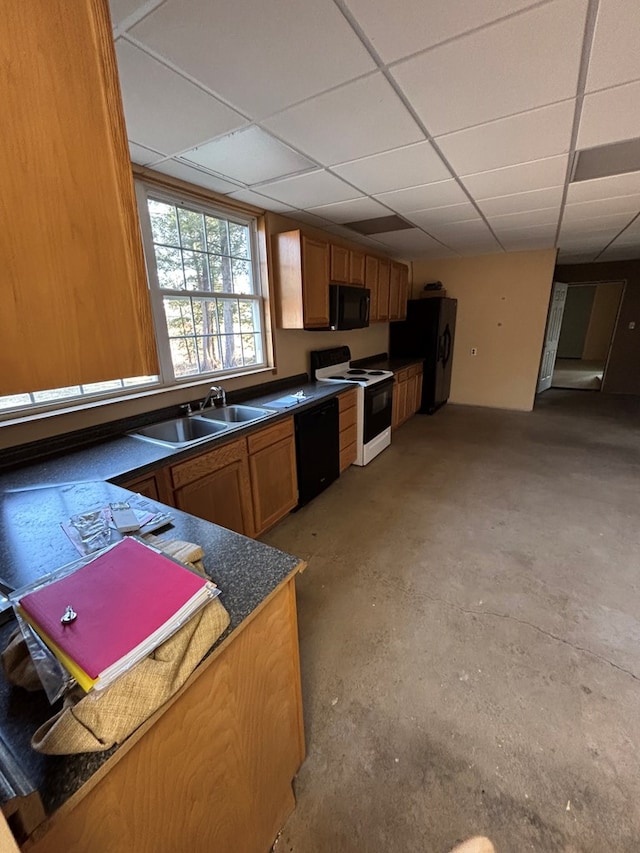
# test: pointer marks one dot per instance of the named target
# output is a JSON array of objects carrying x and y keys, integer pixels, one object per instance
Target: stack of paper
[{"x": 127, "y": 600}]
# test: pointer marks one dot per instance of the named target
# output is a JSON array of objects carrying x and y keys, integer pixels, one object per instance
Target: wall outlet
[
  {"x": 632, "y": 325},
  {"x": 474, "y": 350}
]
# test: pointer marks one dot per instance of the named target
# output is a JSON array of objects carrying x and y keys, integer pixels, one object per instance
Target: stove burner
[
  {"x": 376, "y": 372},
  {"x": 359, "y": 372}
]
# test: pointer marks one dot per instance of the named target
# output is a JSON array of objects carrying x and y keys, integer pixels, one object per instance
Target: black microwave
[{"x": 348, "y": 307}]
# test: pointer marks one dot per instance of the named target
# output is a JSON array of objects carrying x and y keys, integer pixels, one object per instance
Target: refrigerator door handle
[{"x": 447, "y": 337}]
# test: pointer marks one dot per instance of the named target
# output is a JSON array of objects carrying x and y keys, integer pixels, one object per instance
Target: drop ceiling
[{"x": 461, "y": 117}]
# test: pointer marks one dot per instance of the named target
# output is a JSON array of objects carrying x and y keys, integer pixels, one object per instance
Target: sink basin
[
  {"x": 180, "y": 432},
  {"x": 234, "y": 414}
]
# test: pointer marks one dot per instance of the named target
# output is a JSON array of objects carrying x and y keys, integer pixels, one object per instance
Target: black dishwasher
[{"x": 317, "y": 449}]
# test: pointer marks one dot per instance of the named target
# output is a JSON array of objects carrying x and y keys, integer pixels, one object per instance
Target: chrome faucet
[{"x": 216, "y": 394}]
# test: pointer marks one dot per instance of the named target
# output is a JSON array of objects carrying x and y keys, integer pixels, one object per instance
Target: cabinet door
[
  {"x": 315, "y": 282},
  {"x": 76, "y": 307},
  {"x": 146, "y": 486},
  {"x": 394, "y": 291},
  {"x": 395, "y": 411},
  {"x": 274, "y": 484},
  {"x": 371, "y": 281},
  {"x": 356, "y": 268},
  {"x": 339, "y": 264},
  {"x": 223, "y": 497},
  {"x": 418, "y": 391},
  {"x": 384, "y": 270}
]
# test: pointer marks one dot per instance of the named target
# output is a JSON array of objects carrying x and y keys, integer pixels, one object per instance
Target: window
[
  {"x": 205, "y": 288},
  {"x": 206, "y": 296}
]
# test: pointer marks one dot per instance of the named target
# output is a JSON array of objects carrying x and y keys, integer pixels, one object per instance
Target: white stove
[{"x": 374, "y": 394}]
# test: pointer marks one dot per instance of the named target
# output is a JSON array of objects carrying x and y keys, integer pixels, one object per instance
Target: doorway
[{"x": 588, "y": 320}]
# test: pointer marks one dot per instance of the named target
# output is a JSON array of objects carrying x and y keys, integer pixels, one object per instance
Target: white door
[{"x": 552, "y": 336}]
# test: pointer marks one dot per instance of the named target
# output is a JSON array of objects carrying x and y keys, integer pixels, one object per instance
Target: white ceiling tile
[
  {"x": 310, "y": 218},
  {"x": 424, "y": 197},
  {"x": 456, "y": 233},
  {"x": 571, "y": 233},
  {"x": 347, "y": 233},
  {"x": 517, "y": 139},
  {"x": 351, "y": 211},
  {"x": 142, "y": 155},
  {"x": 260, "y": 57},
  {"x": 614, "y": 54},
  {"x": 185, "y": 172},
  {"x": 443, "y": 215},
  {"x": 310, "y": 190},
  {"x": 603, "y": 207},
  {"x": 396, "y": 169},
  {"x": 526, "y": 232},
  {"x": 575, "y": 216},
  {"x": 395, "y": 33},
  {"x": 412, "y": 241},
  {"x": 250, "y": 155},
  {"x": 361, "y": 118},
  {"x": 575, "y": 257},
  {"x": 251, "y": 197},
  {"x": 121, "y": 9},
  {"x": 610, "y": 116},
  {"x": 550, "y": 172},
  {"x": 493, "y": 72},
  {"x": 533, "y": 200},
  {"x": 164, "y": 111},
  {"x": 615, "y": 185},
  {"x": 626, "y": 253},
  {"x": 527, "y": 244},
  {"x": 524, "y": 219}
]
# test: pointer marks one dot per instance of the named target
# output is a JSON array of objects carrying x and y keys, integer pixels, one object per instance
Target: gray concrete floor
[{"x": 470, "y": 636}]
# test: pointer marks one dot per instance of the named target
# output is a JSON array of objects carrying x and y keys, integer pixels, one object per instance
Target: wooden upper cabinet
[
  {"x": 76, "y": 306},
  {"x": 371, "y": 281},
  {"x": 384, "y": 270},
  {"x": 404, "y": 291},
  {"x": 339, "y": 264},
  {"x": 356, "y": 268},
  {"x": 394, "y": 291},
  {"x": 302, "y": 274}
]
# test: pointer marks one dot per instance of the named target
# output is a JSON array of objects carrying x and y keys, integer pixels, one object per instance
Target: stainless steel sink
[
  {"x": 234, "y": 414},
  {"x": 180, "y": 432}
]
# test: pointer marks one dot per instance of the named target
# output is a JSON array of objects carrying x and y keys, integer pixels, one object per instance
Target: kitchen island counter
[{"x": 256, "y": 583}]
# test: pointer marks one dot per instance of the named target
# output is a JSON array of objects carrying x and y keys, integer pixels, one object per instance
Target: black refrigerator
[{"x": 428, "y": 333}]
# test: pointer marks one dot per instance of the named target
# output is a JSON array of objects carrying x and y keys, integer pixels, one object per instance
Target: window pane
[
  {"x": 14, "y": 400},
  {"x": 231, "y": 351},
  {"x": 139, "y": 380},
  {"x": 98, "y": 387},
  {"x": 217, "y": 235},
  {"x": 179, "y": 317},
  {"x": 169, "y": 266},
  {"x": 164, "y": 225},
  {"x": 196, "y": 271},
  {"x": 56, "y": 394},
  {"x": 239, "y": 240},
  {"x": 242, "y": 281},
  {"x": 249, "y": 315},
  {"x": 228, "y": 316},
  {"x": 209, "y": 354},
  {"x": 205, "y": 315},
  {"x": 191, "y": 230},
  {"x": 220, "y": 267},
  {"x": 250, "y": 349},
  {"x": 184, "y": 356}
]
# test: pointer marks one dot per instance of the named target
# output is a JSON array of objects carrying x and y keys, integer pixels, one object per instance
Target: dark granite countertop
[
  {"x": 32, "y": 543},
  {"x": 385, "y": 362},
  {"x": 124, "y": 457}
]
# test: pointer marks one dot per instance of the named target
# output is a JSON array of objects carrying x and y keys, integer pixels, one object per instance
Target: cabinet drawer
[
  {"x": 402, "y": 375},
  {"x": 413, "y": 370},
  {"x": 270, "y": 435},
  {"x": 207, "y": 463},
  {"x": 347, "y": 456},
  {"x": 348, "y": 418},
  {"x": 346, "y": 400},
  {"x": 348, "y": 436}
]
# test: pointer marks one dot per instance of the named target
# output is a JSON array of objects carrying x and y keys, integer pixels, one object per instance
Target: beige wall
[
  {"x": 602, "y": 321},
  {"x": 502, "y": 310}
]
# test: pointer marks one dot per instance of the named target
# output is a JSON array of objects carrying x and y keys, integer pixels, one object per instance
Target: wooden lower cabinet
[
  {"x": 347, "y": 405},
  {"x": 212, "y": 769},
  {"x": 274, "y": 482},
  {"x": 216, "y": 486},
  {"x": 407, "y": 394}
]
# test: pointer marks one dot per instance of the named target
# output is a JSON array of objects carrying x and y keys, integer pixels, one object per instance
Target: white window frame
[{"x": 144, "y": 192}]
